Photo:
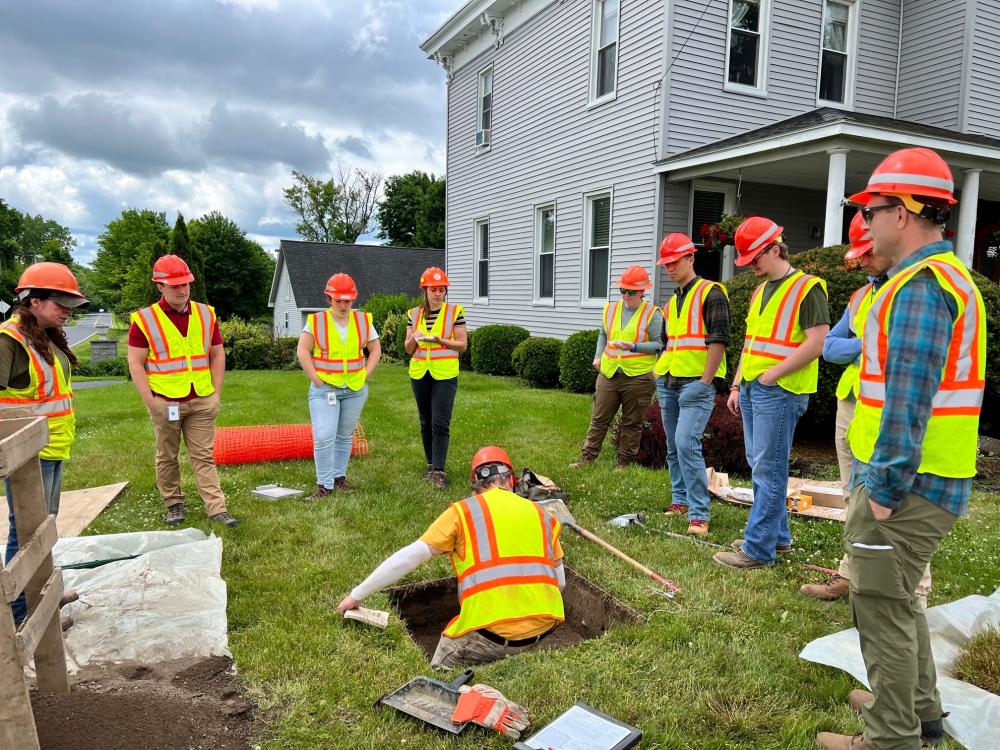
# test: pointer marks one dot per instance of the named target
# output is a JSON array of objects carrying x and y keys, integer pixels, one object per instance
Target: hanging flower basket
[{"x": 715, "y": 237}]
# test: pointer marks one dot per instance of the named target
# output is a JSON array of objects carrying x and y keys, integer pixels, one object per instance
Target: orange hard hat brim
[
  {"x": 746, "y": 260},
  {"x": 856, "y": 251},
  {"x": 673, "y": 257}
]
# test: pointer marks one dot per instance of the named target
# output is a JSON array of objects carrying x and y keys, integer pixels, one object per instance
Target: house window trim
[
  {"x": 711, "y": 186},
  {"x": 477, "y": 223},
  {"x": 854, "y": 12},
  {"x": 588, "y": 198},
  {"x": 593, "y": 100},
  {"x": 537, "y": 252},
  {"x": 479, "y": 106},
  {"x": 763, "y": 50}
]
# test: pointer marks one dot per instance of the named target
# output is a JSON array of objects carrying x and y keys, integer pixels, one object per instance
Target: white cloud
[{"x": 43, "y": 190}]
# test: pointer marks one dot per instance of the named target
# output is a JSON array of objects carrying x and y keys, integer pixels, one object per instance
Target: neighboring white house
[
  {"x": 580, "y": 132},
  {"x": 302, "y": 270}
]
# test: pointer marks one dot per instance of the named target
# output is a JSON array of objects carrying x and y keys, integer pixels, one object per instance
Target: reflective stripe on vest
[
  {"x": 857, "y": 308},
  {"x": 950, "y": 441},
  {"x": 340, "y": 363},
  {"x": 686, "y": 352},
  {"x": 49, "y": 393},
  {"x": 508, "y": 571},
  {"x": 440, "y": 361},
  {"x": 773, "y": 333},
  {"x": 631, "y": 363},
  {"x": 174, "y": 363}
]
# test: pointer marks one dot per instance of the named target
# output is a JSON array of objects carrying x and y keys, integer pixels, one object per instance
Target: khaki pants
[
  {"x": 887, "y": 560},
  {"x": 845, "y": 413},
  {"x": 470, "y": 649},
  {"x": 197, "y": 425},
  {"x": 633, "y": 395}
]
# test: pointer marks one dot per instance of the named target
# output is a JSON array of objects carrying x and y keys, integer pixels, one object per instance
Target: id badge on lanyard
[
  {"x": 173, "y": 412},
  {"x": 331, "y": 398}
]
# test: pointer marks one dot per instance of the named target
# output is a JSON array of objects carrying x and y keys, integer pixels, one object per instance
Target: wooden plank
[
  {"x": 15, "y": 576},
  {"x": 17, "y": 724},
  {"x": 20, "y": 441},
  {"x": 718, "y": 485},
  {"x": 78, "y": 508},
  {"x": 34, "y": 626}
]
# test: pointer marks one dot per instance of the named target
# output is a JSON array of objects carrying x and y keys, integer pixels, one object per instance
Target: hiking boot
[
  {"x": 622, "y": 466},
  {"x": 68, "y": 597},
  {"x": 831, "y": 741},
  {"x": 225, "y": 519},
  {"x": 834, "y": 588},
  {"x": 676, "y": 509},
  {"x": 340, "y": 484},
  {"x": 438, "y": 480},
  {"x": 781, "y": 549},
  {"x": 427, "y": 473},
  {"x": 584, "y": 461},
  {"x": 739, "y": 560},
  {"x": 931, "y": 731},
  {"x": 175, "y": 514},
  {"x": 319, "y": 494},
  {"x": 698, "y": 527}
]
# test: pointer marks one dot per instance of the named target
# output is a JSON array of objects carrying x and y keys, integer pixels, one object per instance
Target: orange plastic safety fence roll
[{"x": 273, "y": 442}]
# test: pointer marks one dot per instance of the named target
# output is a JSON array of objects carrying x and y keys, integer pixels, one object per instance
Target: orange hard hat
[
  {"x": 861, "y": 241},
  {"x": 433, "y": 276},
  {"x": 910, "y": 171},
  {"x": 172, "y": 271},
  {"x": 754, "y": 235},
  {"x": 51, "y": 277},
  {"x": 341, "y": 286},
  {"x": 674, "y": 247},
  {"x": 635, "y": 277},
  {"x": 489, "y": 455}
]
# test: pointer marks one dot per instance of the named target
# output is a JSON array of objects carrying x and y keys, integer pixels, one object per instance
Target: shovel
[
  {"x": 429, "y": 700},
  {"x": 557, "y": 509}
]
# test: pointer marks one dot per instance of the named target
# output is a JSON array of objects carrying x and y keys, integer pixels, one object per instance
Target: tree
[
  {"x": 338, "y": 210},
  {"x": 180, "y": 245},
  {"x": 139, "y": 290},
  {"x": 126, "y": 241},
  {"x": 238, "y": 271},
  {"x": 10, "y": 233},
  {"x": 45, "y": 239},
  {"x": 412, "y": 212}
]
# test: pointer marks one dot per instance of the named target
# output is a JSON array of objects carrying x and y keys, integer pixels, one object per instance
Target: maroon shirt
[{"x": 180, "y": 320}]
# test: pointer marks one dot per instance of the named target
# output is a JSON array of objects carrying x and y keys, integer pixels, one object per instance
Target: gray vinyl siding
[
  {"x": 282, "y": 305},
  {"x": 932, "y": 63},
  {"x": 797, "y": 210},
  {"x": 676, "y": 214},
  {"x": 983, "y": 101},
  {"x": 878, "y": 43},
  {"x": 548, "y": 147}
]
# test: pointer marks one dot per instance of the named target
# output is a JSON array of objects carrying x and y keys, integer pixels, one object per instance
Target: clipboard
[{"x": 583, "y": 727}]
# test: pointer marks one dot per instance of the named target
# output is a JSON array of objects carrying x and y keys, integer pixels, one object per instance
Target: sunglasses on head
[{"x": 630, "y": 292}]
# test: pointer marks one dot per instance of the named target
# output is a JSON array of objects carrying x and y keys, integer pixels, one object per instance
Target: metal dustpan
[{"x": 429, "y": 700}]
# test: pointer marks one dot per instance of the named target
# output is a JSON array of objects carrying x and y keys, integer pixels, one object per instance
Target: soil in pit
[
  {"x": 191, "y": 704},
  {"x": 428, "y": 606}
]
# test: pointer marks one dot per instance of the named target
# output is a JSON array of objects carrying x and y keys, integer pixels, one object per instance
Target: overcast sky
[{"x": 201, "y": 105}]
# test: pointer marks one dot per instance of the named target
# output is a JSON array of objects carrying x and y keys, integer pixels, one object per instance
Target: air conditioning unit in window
[{"x": 483, "y": 137}]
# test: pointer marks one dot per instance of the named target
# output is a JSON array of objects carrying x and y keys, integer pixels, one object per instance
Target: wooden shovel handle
[{"x": 634, "y": 563}]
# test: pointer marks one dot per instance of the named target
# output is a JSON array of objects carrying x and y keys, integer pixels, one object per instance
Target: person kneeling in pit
[{"x": 507, "y": 555}]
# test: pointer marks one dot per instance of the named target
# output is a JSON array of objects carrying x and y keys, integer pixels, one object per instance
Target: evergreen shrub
[
  {"x": 576, "y": 369},
  {"x": 537, "y": 360},
  {"x": 494, "y": 348}
]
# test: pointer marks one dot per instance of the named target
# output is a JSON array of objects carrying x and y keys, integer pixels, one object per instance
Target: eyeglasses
[
  {"x": 868, "y": 211},
  {"x": 760, "y": 255},
  {"x": 630, "y": 292}
]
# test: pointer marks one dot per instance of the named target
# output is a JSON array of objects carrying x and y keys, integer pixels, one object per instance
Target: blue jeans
[
  {"x": 685, "y": 412},
  {"x": 52, "y": 487},
  {"x": 333, "y": 429},
  {"x": 770, "y": 414}
]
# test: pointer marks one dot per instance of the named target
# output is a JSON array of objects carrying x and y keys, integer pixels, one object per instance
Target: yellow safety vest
[
  {"x": 686, "y": 353},
  {"x": 773, "y": 333},
  {"x": 175, "y": 363},
  {"x": 340, "y": 363},
  {"x": 509, "y": 569},
  {"x": 49, "y": 394},
  {"x": 440, "y": 361},
  {"x": 950, "y": 442},
  {"x": 857, "y": 310},
  {"x": 631, "y": 363}
]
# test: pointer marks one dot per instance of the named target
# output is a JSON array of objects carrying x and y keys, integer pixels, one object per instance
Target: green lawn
[{"x": 715, "y": 668}]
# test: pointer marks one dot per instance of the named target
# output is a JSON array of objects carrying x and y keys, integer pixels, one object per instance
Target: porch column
[
  {"x": 833, "y": 228},
  {"x": 965, "y": 235}
]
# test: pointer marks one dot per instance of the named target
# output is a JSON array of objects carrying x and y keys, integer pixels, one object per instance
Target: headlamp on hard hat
[{"x": 486, "y": 471}]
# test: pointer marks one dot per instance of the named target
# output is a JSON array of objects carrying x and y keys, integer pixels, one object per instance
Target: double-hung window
[
  {"x": 482, "y": 267},
  {"x": 597, "y": 254},
  {"x": 604, "y": 57},
  {"x": 746, "y": 53},
  {"x": 485, "y": 116},
  {"x": 545, "y": 252},
  {"x": 837, "y": 53}
]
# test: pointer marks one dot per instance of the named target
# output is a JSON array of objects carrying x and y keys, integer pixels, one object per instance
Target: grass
[
  {"x": 979, "y": 661},
  {"x": 716, "y": 668},
  {"x": 82, "y": 350}
]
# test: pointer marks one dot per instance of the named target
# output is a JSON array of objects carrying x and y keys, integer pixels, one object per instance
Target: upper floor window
[
  {"x": 746, "y": 54},
  {"x": 837, "y": 52},
  {"x": 485, "y": 119},
  {"x": 604, "y": 58},
  {"x": 482, "y": 268},
  {"x": 598, "y": 251},
  {"x": 545, "y": 252}
]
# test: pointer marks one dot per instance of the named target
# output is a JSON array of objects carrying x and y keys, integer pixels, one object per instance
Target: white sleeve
[
  {"x": 561, "y": 575},
  {"x": 395, "y": 567},
  {"x": 372, "y": 333}
]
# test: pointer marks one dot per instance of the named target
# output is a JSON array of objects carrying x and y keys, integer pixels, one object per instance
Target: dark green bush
[
  {"x": 495, "y": 345},
  {"x": 990, "y": 420},
  {"x": 537, "y": 361},
  {"x": 393, "y": 335},
  {"x": 465, "y": 358},
  {"x": 381, "y": 306},
  {"x": 283, "y": 353},
  {"x": 576, "y": 369},
  {"x": 263, "y": 354},
  {"x": 105, "y": 368}
]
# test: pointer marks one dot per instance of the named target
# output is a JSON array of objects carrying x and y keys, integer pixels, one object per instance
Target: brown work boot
[
  {"x": 739, "y": 560},
  {"x": 68, "y": 597},
  {"x": 834, "y": 588},
  {"x": 931, "y": 732},
  {"x": 427, "y": 473},
  {"x": 781, "y": 549},
  {"x": 698, "y": 527},
  {"x": 584, "y": 461},
  {"x": 858, "y": 699},
  {"x": 340, "y": 484},
  {"x": 439, "y": 480},
  {"x": 319, "y": 494},
  {"x": 676, "y": 509},
  {"x": 831, "y": 741}
]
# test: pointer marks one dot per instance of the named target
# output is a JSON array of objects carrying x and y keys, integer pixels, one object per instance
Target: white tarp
[
  {"x": 167, "y": 603},
  {"x": 975, "y": 713}
]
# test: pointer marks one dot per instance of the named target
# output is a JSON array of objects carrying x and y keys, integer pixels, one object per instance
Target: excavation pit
[{"x": 428, "y": 606}]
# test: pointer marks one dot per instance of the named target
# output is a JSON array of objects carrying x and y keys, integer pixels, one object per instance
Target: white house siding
[
  {"x": 878, "y": 43},
  {"x": 931, "y": 66},
  {"x": 983, "y": 101},
  {"x": 284, "y": 302},
  {"x": 547, "y": 146},
  {"x": 797, "y": 210}
]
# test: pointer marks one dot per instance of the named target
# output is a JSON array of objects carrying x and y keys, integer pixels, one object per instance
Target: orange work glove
[{"x": 488, "y": 708}]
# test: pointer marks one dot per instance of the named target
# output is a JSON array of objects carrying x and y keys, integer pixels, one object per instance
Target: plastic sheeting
[
  {"x": 975, "y": 713},
  {"x": 167, "y": 603}
]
